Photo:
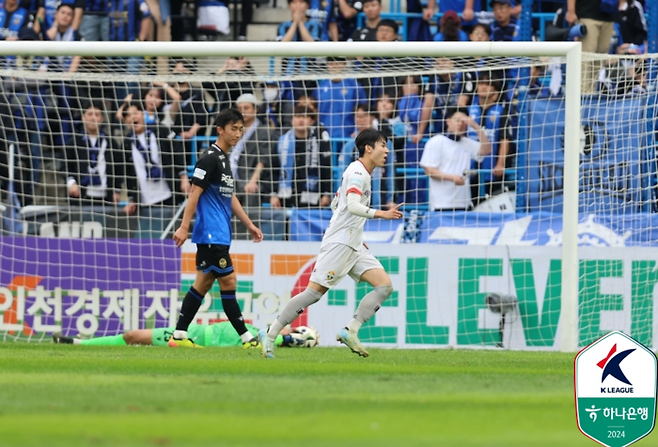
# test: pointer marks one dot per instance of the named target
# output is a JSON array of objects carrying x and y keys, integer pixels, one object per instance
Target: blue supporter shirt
[
  {"x": 446, "y": 94},
  {"x": 337, "y": 101},
  {"x": 12, "y": 22},
  {"x": 320, "y": 11},
  {"x": 509, "y": 33},
  {"x": 293, "y": 65},
  {"x": 410, "y": 107},
  {"x": 126, "y": 19},
  {"x": 496, "y": 125},
  {"x": 313, "y": 26},
  {"x": 213, "y": 212}
]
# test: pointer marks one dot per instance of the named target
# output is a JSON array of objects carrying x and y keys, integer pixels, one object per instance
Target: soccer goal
[{"x": 85, "y": 244}]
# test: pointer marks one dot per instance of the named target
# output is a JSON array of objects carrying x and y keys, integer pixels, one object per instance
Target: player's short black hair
[
  {"x": 228, "y": 116},
  {"x": 368, "y": 137},
  {"x": 308, "y": 2},
  {"x": 368, "y": 1},
  {"x": 454, "y": 109}
]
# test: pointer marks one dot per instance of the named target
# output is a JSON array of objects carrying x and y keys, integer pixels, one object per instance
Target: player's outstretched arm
[
  {"x": 180, "y": 236},
  {"x": 240, "y": 213},
  {"x": 354, "y": 206}
]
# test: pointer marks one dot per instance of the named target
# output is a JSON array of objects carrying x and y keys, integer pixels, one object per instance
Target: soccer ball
[{"x": 305, "y": 337}]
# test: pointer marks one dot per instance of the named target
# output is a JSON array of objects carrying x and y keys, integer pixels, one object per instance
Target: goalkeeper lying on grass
[{"x": 215, "y": 335}]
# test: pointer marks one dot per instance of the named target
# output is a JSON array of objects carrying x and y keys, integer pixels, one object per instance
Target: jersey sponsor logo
[
  {"x": 199, "y": 173},
  {"x": 222, "y": 263},
  {"x": 356, "y": 182},
  {"x": 228, "y": 180}
]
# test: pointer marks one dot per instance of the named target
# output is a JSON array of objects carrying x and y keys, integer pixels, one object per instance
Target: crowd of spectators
[{"x": 297, "y": 133}]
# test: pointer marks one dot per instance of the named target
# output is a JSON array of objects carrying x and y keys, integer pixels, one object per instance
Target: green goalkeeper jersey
[{"x": 212, "y": 335}]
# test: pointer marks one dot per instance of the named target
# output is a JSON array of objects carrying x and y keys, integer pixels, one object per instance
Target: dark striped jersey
[
  {"x": 346, "y": 27},
  {"x": 509, "y": 33},
  {"x": 126, "y": 19},
  {"x": 96, "y": 6},
  {"x": 213, "y": 212}
]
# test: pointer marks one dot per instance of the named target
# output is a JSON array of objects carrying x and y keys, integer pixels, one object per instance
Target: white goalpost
[{"x": 267, "y": 58}]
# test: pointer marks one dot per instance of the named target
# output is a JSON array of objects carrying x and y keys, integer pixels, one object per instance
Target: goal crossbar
[{"x": 289, "y": 49}]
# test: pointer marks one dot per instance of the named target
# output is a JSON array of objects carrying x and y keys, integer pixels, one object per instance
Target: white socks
[
  {"x": 246, "y": 337},
  {"x": 294, "y": 308},
  {"x": 368, "y": 306}
]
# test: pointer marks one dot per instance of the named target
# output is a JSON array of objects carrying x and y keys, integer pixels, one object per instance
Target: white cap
[{"x": 249, "y": 98}]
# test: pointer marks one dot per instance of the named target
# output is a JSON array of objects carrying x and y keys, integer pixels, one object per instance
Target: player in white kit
[{"x": 343, "y": 252}]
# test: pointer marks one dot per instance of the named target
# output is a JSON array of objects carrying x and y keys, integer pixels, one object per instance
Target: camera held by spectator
[{"x": 557, "y": 34}]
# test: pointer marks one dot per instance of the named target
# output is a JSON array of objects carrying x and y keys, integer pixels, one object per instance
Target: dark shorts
[{"x": 214, "y": 258}]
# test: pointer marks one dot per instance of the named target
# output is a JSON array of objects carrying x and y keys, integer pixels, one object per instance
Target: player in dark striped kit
[{"x": 213, "y": 199}]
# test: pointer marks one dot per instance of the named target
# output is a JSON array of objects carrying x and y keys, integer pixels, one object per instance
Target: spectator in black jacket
[
  {"x": 225, "y": 93},
  {"x": 91, "y": 178},
  {"x": 192, "y": 118},
  {"x": 154, "y": 163},
  {"x": 632, "y": 26},
  {"x": 275, "y": 111},
  {"x": 303, "y": 175},
  {"x": 252, "y": 158},
  {"x": 21, "y": 192}
]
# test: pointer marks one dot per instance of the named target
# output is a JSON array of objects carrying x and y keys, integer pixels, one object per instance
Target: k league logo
[
  {"x": 615, "y": 381},
  {"x": 611, "y": 365}
]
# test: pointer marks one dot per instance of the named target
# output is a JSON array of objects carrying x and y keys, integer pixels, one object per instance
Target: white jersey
[
  {"x": 450, "y": 157},
  {"x": 344, "y": 227}
]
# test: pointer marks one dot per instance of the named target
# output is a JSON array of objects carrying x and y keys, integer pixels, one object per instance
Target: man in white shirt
[
  {"x": 446, "y": 157},
  {"x": 343, "y": 252}
]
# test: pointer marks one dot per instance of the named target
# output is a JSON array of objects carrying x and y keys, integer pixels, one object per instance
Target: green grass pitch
[{"x": 52, "y": 395}]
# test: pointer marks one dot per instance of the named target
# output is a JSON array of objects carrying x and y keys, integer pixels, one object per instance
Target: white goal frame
[{"x": 572, "y": 51}]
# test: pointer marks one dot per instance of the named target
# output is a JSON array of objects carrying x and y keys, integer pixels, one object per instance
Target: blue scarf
[
  {"x": 153, "y": 171},
  {"x": 92, "y": 178},
  {"x": 286, "y": 149}
]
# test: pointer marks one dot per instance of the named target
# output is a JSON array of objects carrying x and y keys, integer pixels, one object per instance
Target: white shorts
[{"x": 337, "y": 260}]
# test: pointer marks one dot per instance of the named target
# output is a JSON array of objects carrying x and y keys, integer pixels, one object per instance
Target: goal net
[{"x": 528, "y": 208}]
